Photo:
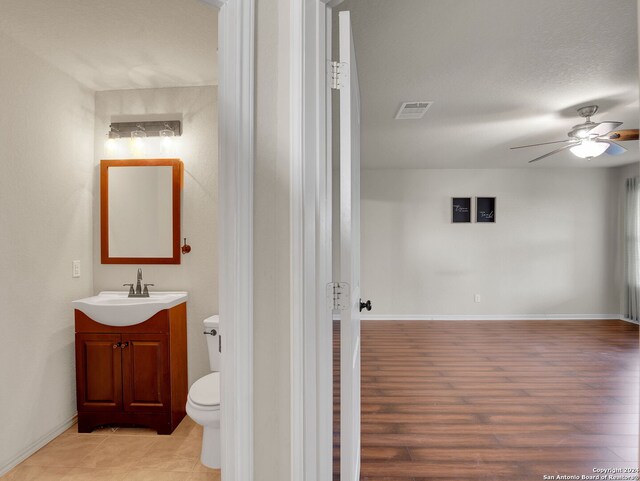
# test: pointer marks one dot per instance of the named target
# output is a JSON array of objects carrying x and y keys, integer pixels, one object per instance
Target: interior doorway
[{"x": 525, "y": 283}]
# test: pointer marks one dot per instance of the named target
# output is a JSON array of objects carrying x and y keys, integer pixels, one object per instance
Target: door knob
[{"x": 365, "y": 305}]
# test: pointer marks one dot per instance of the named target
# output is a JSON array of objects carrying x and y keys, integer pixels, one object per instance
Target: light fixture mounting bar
[{"x": 151, "y": 128}]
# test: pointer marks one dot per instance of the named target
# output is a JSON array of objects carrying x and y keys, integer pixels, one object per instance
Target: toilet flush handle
[{"x": 213, "y": 332}]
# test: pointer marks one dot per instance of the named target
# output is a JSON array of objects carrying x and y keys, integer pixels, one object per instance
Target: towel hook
[{"x": 186, "y": 248}]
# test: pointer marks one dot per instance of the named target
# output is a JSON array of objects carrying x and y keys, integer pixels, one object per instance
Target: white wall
[
  {"x": 45, "y": 222},
  {"x": 198, "y": 149},
  {"x": 552, "y": 251}
]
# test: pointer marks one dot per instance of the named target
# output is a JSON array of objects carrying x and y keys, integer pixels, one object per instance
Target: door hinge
[
  {"x": 338, "y": 72},
  {"x": 338, "y": 294}
]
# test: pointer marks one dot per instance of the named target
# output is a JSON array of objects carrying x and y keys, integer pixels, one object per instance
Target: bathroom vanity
[{"x": 131, "y": 371}]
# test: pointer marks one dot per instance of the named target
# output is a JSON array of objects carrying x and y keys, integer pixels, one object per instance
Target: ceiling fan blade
[
  {"x": 604, "y": 128},
  {"x": 614, "y": 148},
  {"x": 565, "y": 147},
  {"x": 543, "y": 143},
  {"x": 622, "y": 135}
]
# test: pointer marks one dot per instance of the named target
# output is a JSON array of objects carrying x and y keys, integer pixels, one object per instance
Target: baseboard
[
  {"x": 486, "y": 317},
  {"x": 33, "y": 447}
]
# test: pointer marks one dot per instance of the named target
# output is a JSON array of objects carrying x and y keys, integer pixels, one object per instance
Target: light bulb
[
  {"x": 111, "y": 144},
  {"x": 589, "y": 148},
  {"x": 137, "y": 140},
  {"x": 167, "y": 135}
]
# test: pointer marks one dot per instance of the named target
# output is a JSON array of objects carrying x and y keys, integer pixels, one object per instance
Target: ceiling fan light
[{"x": 589, "y": 148}]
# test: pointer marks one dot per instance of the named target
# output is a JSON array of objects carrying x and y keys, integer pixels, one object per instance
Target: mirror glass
[{"x": 140, "y": 211}]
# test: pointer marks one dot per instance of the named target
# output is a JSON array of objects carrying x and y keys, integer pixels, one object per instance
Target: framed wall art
[
  {"x": 485, "y": 210},
  {"x": 461, "y": 210}
]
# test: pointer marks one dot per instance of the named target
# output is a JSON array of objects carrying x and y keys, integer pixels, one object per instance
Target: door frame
[
  {"x": 236, "y": 29},
  {"x": 310, "y": 215},
  {"x": 311, "y": 252}
]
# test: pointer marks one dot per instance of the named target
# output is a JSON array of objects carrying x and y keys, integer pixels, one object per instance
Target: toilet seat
[{"x": 205, "y": 392}]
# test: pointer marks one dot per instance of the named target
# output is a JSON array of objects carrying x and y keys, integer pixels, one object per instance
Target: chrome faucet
[
  {"x": 138, "y": 282},
  {"x": 138, "y": 292}
]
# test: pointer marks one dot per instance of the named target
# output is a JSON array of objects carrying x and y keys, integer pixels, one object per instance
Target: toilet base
[{"x": 210, "y": 455}]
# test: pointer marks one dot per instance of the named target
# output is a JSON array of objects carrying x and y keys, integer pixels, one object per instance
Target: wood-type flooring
[{"x": 496, "y": 400}]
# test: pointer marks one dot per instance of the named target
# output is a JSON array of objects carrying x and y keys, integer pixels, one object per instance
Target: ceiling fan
[{"x": 590, "y": 139}]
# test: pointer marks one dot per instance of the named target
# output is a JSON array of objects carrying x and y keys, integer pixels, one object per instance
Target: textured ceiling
[
  {"x": 119, "y": 44},
  {"x": 501, "y": 74}
]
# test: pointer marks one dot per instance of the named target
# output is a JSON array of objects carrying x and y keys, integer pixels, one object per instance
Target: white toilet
[{"x": 203, "y": 402}]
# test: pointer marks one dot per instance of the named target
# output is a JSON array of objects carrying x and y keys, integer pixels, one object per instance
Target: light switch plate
[{"x": 75, "y": 269}]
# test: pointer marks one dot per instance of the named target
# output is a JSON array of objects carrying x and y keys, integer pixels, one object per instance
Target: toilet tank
[{"x": 212, "y": 332}]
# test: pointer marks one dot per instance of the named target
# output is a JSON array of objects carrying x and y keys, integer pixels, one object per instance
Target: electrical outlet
[
  {"x": 75, "y": 269},
  {"x": 476, "y": 298}
]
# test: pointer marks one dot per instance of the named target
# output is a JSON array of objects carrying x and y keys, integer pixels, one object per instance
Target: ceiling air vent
[{"x": 412, "y": 110}]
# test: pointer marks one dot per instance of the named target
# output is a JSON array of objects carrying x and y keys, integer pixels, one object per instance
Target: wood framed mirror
[{"x": 140, "y": 203}]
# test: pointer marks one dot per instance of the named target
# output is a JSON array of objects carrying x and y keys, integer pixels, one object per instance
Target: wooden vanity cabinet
[{"x": 132, "y": 375}]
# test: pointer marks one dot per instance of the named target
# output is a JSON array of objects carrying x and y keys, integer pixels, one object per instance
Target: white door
[{"x": 349, "y": 254}]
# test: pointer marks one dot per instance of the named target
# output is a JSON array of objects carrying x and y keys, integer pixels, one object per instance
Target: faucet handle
[
  {"x": 145, "y": 292},
  {"x": 131, "y": 291}
]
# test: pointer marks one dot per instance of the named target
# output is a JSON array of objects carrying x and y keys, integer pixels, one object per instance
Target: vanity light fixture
[{"x": 141, "y": 129}]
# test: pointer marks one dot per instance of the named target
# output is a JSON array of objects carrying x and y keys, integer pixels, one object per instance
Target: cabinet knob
[
  {"x": 116, "y": 346},
  {"x": 124, "y": 344}
]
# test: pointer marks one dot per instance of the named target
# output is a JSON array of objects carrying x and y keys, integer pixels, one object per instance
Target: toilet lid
[{"x": 205, "y": 391}]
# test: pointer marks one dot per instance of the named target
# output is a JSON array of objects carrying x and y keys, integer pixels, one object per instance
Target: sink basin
[{"x": 115, "y": 308}]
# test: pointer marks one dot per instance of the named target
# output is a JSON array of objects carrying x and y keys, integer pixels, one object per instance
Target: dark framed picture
[
  {"x": 460, "y": 210},
  {"x": 485, "y": 210}
]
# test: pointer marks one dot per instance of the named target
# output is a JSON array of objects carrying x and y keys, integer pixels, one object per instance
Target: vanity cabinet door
[
  {"x": 145, "y": 372},
  {"x": 99, "y": 372}
]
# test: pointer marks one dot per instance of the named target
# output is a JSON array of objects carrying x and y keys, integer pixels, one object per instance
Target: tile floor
[{"x": 119, "y": 454}]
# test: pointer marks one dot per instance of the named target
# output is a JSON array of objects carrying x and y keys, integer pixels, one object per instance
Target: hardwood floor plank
[
  {"x": 484, "y": 428},
  {"x": 438, "y": 417},
  {"x": 549, "y": 400},
  {"x": 419, "y": 469},
  {"x": 430, "y": 440},
  {"x": 575, "y": 440},
  {"x": 384, "y": 453},
  {"x": 592, "y": 418},
  {"x": 612, "y": 409},
  {"x": 502, "y": 454},
  {"x": 629, "y": 429},
  {"x": 395, "y": 390},
  {"x": 416, "y": 407}
]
